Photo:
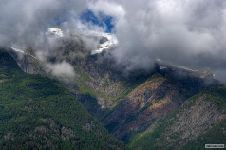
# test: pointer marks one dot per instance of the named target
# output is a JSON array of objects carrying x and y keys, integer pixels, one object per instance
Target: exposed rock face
[
  {"x": 145, "y": 105},
  {"x": 26, "y": 61},
  {"x": 193, "y": 121}
]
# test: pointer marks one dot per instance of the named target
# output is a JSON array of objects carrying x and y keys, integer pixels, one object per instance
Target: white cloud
[
  {"x": 108, "y": 7},
  {"x": 181, "y": 32},
  {"x": 62, "y": 70},
  {"x": 24, "y": 21}
]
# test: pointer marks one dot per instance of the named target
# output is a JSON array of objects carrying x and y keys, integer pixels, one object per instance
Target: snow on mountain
[
  {"x": 17, "y": 50},
  {"x": 110, "y": 42},
  {"x": 107, "y": 40},
  {"x": 57, "y": 32}
]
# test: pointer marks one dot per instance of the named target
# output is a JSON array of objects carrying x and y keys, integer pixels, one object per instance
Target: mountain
[
  {"x": 39, "y": 113},
  {"x": 146, "y": 109}
]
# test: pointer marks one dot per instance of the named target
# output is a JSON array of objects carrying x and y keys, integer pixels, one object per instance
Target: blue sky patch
[
  {"x": 100, "y": 20},
  {"x": 88, "y": 17}
]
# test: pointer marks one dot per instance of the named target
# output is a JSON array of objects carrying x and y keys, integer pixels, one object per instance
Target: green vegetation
[
  {"x": 39, "y": 113},
  {"x": 150, "y": 138}
]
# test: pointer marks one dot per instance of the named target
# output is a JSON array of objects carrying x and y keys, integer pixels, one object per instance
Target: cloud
[
  {"x": 180, "y": 32},
  {"x": 24, "y": 24},
  {"x": 25, "y": 21},
  {"x": 61, "y": 70},
  {"x": 220, "y": 74},
  {"x": 108, "y": 7}
]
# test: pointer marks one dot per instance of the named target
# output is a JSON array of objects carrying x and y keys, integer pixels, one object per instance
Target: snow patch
[
  {"x": 17, "y": 50},
  {"x": 56, "y": 32},
  {"x": 22, "y": 51},
  {"x": 111, "y": 39},
  {"x": 111, "y": 42}
]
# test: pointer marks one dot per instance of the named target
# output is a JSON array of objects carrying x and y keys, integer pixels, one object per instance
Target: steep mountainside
[
  {"x": 146, "y": 109},
  {"x": 39, "y": 113},
  {"x": 201, "y": 120},
  {"x": 147, "y": 104}
]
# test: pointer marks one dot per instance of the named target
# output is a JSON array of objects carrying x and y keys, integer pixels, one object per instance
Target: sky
[
  {"x": 98, "y": 19},
  {"x": 180, "y": 32}
]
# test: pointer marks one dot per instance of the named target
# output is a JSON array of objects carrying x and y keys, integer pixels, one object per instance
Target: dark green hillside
[{"x": 38, "y": 113}]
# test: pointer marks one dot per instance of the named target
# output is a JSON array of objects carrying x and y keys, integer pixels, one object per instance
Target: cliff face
[{"x": 26, "y": 60}]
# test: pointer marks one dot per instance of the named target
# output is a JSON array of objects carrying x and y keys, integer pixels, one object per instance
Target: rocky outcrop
[{"x": 27, "y": 61}]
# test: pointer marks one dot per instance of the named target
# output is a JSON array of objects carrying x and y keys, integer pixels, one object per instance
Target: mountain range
[{"x": 103, "y": 106}]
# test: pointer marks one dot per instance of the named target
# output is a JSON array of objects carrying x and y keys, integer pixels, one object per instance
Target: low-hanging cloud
[
  {"x": 61, "y": 70},
  {"x": 180, "y": 32}
]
